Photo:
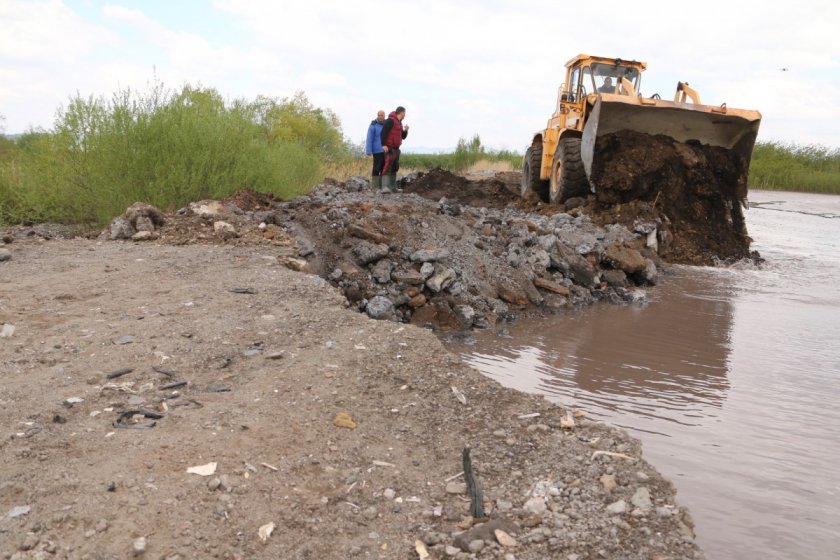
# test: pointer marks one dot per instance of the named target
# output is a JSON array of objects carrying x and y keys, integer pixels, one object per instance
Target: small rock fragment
[
  {"x": 265, "y": 531},
  {"x": 503, "y": 538},
  {"x": 203, "y": 470},
  {"x": 344, "y": 420},
  {"x": 138, "y": 547},
  {"x": 617, "y": 507}
]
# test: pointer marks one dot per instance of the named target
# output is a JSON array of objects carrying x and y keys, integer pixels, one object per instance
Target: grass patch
[
  {"x": 166, "y": 148},
  {"x": 787, "y": 167},
  {"x": 466, "y": 155}
]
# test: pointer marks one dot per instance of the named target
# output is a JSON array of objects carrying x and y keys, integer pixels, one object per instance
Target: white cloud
[{"x": 490, "y": 67}]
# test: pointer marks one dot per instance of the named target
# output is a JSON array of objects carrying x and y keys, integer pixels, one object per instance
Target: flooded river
[{"x": 730, "y": 377}]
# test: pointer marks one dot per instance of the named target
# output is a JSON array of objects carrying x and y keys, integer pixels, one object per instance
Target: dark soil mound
[
  {"x": 252, "y": 201},
  {"x": 692, "y": 191},
  {"x": 493, "y": 192}
]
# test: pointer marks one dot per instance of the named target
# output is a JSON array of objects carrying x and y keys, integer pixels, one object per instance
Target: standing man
[
  {"x": 393, "y": 133},
  {"x": 373, "y": 147}
]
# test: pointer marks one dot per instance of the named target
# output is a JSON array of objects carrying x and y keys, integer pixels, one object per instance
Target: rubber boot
[
  {"x": 385, "y": 184},
  {"x": 392, "y": 183},
  {"x": 375, "y": 182}
]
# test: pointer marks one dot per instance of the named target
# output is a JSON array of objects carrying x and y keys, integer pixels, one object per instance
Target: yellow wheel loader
[{"x": 601, "y": 96}]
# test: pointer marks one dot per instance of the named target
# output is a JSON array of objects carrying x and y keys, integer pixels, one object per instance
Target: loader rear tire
[
  {"x": 531, "y": 174},
  {"x": 568, "y": 177}
]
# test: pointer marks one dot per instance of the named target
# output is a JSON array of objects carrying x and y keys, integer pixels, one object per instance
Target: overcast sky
[{"x": 489, "y": 67}]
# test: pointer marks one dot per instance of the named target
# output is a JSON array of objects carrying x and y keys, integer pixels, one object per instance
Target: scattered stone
[
  {"x": 5, "y": 255},
  {"x": 381, "y": 272},
  {"x": 367, "y": 253},
  {"x": 617, "y": 507},
  {"x": 504, "y": 538},
  {"x": 18, "y": 511},
  {"x": 380, "y": 307},
  {"x": 7, "y": 331},
  {"x": 624, "y": 258},
  {"x": 614, "y": 278},
  {"x": 417, "y": 301},
  {"x": 441, "y": 280},
  {"x": 483, "y": 532},
  {"x": 608, "y": 482},
  {"x": 457, "y": 488},
  {"x": 550, "y": 286},
  {"x": 120, "y": 340},
  {"x": 293, "y": 263},
  {"x": 138, "y": 547},
  {"x": 203, "y": 470},
  {"x": 101, "y": 526},
  {"x": 429, "y": 255},
  {"x": 450, "y": 550},
  {"x": 511, "y": 296},
  {"x": 225, "y": 230},
  {"x": 265, "y": 531},
  {"x": 389, "y": 494},
  {"x": 426, "y": 270},
  {"x": 344, "y": 420},
  {"x": 476, "y": 546},
  {"x": 535, "y": 505},
  {"x": 410, "y": 277},
  {"x": 641, "y": 498},
  {"x": 143, "y": 236},
  {"x": 214, "y": 484}
]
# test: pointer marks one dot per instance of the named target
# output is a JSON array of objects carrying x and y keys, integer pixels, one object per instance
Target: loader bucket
[{"x": 733, "y": 129}]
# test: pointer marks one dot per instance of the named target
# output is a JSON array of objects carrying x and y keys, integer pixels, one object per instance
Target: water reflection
[
  {"x": 666, "y": 361},
  {"x": 729, "y": 376}
]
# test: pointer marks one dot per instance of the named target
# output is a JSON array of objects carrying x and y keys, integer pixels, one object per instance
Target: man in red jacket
[{"x": 393, "y": 133}]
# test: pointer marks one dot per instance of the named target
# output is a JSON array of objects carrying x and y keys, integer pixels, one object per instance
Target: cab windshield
[{"x": 606, "y": 76}]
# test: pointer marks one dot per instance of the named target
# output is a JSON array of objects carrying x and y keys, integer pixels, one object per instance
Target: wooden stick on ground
[{"x": 473, "y": 488}]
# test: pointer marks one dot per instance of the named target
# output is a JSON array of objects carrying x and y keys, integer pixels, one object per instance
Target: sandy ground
[{"x": 266, "y": 375}]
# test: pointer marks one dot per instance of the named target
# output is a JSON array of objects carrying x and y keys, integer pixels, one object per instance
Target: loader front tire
[
  {"x": 568, "y": 177},
  {"x": 531, "y": 174}
]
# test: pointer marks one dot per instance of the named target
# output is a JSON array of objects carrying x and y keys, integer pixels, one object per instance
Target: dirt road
[{"x": 270, "y": 357}]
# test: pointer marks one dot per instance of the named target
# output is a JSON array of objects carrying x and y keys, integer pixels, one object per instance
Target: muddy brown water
[{"x": 730, "y": 377}]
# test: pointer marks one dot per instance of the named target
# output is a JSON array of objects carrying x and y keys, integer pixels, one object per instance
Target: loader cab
[{"x": 613, "y": 74}]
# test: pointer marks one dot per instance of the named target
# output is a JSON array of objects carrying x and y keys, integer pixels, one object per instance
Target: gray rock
[
  {"x": 336, "y": 274},
  {"x": 370, "y": 513},
  {"x": 451, "y": 550},
  {"x": 650, "y": 273},
  {"x": 429, "y": 255},
  {"x": 617, "y": 507},
  {"x": 484, "y": 532},
  {"x": 382, "y": 271},
  {"x": 535, "y": 505},
  {"x": 504, "y": 505},
  {"x": 409, "y": 276},
  {"x": 144, "y": 223},
  {"x": 366, "y": 252},
  {"x": 380, "y": 307},
  {"x": 578, "y": 267},
  {"x": 5, "y": 255},
  {"x": 441, "y": 280},
  {"x": 615, "y": 278},
  {"x": 18, "y": 511},
  {"x": 121, "y": 228},
  {"x": 466, "y": 314},
  {"x": 357, "y": 184},
  {"x": 427, "y": 270},
  {"x": 641, "y": 498},
  {"x": 389, "y": 494},
  {"x": 143, "y": 236},
  {"x": 476, "y": 546},
  {"x": 214, "y": 484}
]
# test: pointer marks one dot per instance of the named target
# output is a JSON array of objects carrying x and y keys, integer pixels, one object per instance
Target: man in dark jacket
[
  {"x": 373, "y": 147},
  {"x": 393, "y": 133}
]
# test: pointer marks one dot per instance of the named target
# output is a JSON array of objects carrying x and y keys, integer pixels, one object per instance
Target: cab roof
[{"x": 586, "y": 58}]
